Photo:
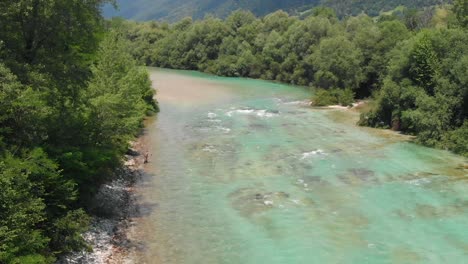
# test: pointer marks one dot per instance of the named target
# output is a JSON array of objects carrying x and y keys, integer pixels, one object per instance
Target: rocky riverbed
[{"x": 114, "y": 210}]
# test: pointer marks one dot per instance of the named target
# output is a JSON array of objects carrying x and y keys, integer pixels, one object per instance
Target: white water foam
[
  {"x": 240, "y": 111},
  {"x": 210, "y": 149},
  {"x": 223, "y": 129},
  {"x": 259, "y": 113},
  {"x": 306, "y": 155},
  {"x": 265, "y": 113},
  {"x": 212, "y": 115},
  {"x": 419, "y": 182},
  {"x": 303, "y": 102}
]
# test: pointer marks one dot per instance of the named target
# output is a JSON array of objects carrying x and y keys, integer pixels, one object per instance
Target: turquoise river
[{"x": 244, "y": 171}]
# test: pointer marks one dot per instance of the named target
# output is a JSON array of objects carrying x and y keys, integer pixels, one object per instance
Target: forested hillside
[
  {"x": 71, "y": 98},
  {"x": 375, "y": 7},
  {"x": 173, "y": 10},
  {"x": 413, "y": 64}
]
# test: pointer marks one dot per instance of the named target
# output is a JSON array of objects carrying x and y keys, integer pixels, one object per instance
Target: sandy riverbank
[{"x": 357, "y": 106}]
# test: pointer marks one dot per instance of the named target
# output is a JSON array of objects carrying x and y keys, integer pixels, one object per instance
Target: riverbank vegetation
[
  {"x": 71, "y": 98},
  {"x": 412, "y": 62}
]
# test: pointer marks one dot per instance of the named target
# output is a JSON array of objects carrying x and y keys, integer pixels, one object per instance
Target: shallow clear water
[{"x": 243, "y": 172}]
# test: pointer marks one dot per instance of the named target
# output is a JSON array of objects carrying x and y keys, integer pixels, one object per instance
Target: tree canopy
[{"x": 71, "y": 97}]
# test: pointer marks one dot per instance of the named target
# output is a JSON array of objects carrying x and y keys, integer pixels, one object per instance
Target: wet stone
[
  {"x": 249, "y": 201},
  {"x": 462, "y": 167},
  {"x": 257, "y": 126},
  {"x": 359, "y": 176},
  {"x": 314, "y": 179}
]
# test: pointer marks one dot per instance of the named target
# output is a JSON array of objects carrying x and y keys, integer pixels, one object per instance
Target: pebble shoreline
[{"x": 113, "y": 209}]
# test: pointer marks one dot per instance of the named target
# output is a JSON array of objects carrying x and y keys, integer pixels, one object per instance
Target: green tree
[
  {"x": 52, "y": 153},
  {"x": 239, "y": 19},
  {"x": 424, "y": 64},
  {"x": 32, "y": 30},
  {"x": 338, "y": 63},
  {"x": 23, "y": 111},
  {"x": 34, "y": 195},
  {"x": 425, "y": 91},
  {"x": 21, "y": 212},
  {"x": 117, "y": 99},
  {"x": 460, "y": 8}
]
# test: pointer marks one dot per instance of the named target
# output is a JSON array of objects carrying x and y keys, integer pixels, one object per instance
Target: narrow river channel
[{"x": 243, "y": 171}]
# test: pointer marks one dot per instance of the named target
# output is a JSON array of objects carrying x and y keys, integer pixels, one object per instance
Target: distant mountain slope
[
  {"x": 173, "y": 10},
  {"x": 374, "y": 7},
  {"x": 176, "y": 9}
]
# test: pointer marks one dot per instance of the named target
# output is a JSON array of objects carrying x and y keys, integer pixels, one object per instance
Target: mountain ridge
[
  {"x": 173, "y": 10},
  {"x": 177, "y": 9}
]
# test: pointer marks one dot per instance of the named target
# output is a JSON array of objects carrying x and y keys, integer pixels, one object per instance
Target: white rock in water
[{"x": 268, "y": 202}]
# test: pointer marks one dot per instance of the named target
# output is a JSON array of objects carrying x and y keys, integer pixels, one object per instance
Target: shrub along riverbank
[
  {"x": 413, "y": 64},
  {"x": 71, "y": 98}
]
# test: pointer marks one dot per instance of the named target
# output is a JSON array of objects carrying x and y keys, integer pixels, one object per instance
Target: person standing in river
[{"x": 146, "y": 156}]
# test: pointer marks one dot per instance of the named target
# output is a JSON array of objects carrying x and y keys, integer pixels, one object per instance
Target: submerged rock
[
  {"x": 311, "y": 182},
  {"x": 359, "y": 176},
  {"x": 249, "y": 201}
]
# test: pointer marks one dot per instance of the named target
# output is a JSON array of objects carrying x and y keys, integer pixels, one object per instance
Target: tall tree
[{"x": 460, "y": 8}]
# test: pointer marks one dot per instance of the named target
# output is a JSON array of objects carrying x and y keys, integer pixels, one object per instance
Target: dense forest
[
  {"x": 173, "y": 10},
  {"x": 413, "y": 64},
  {"x": 71, "y": 98}
]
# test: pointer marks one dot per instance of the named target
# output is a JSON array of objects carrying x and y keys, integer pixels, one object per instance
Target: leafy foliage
[
  {"x": 337, "y": 63},
  {"x": 333, "y": 97},
  {"x": 460, "y": 8},
  {"x": 425, "y": 90},
  {"x": 71, "y": 96}
]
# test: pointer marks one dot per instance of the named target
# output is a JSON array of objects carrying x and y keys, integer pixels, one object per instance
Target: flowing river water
[{"x": 243, "y": 171}]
